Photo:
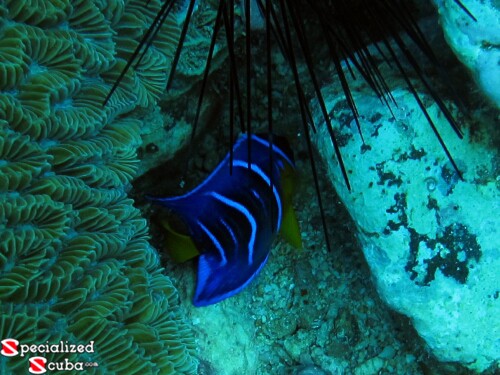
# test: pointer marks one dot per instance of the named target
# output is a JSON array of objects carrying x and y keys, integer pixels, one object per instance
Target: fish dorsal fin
[
  {"x": 290, "y": 229},
  {"x": 179, "y": 246}
]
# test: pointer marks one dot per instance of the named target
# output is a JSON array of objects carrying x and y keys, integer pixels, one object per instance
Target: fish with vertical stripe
[{"x": 233, "y": 218}]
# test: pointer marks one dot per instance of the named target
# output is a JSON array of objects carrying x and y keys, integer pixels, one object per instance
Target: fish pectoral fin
[
  {"x": 179, "y": 246},
  {"x": 290, "y": 229}
]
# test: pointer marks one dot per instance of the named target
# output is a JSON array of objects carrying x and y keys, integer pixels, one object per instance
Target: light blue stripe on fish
[
  {"x": 216, "y": 243},
  {"x": 256, "y": 169}
]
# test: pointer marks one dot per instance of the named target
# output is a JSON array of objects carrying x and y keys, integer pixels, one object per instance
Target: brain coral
[{"x": 75, "y": 264}]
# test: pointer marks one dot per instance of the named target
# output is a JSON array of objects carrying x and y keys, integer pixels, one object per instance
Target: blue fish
[{"x": 232, "y": 219}]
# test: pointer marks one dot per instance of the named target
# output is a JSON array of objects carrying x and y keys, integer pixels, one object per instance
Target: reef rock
[
  {"x": 475, "y": 42},
  {"x": 430, "y": 238}
]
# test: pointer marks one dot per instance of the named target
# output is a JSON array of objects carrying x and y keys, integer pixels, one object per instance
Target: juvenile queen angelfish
[{"x": 233, "y": 219}]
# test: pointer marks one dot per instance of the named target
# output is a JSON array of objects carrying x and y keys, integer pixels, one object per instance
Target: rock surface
[
  {"x": 430, "y": 238},
  {"x": 476, "y": 43}
]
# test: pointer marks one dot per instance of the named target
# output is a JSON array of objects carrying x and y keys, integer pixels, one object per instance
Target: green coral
[{"x": 75, "y": 263}]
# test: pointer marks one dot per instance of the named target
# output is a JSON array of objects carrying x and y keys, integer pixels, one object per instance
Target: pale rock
[
  {"x": 431, "y": 240},
  {"x": 476, "y": 43}
]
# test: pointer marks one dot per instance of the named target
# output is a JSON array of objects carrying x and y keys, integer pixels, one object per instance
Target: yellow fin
[
  {"x": 179, "y": 246},
  {"x": 290, "y": 229}
]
